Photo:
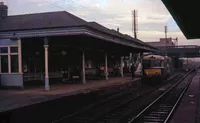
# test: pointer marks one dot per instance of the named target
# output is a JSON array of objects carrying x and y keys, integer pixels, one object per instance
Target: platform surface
[
  {"x": 187, "y": 109},
  {"x": 11, "y": 99}
]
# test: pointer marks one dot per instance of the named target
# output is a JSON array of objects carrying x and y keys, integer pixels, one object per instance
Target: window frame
[
  {"x": 0, "y": 64},
  {"x": 11, "y": 63},
  {"x": 9, "y": 54},
  {"x": 156, "y": 63},
  {"x": 14, "y": 47}
]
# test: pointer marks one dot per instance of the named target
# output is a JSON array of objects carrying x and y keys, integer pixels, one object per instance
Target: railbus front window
[
  {"x": 146, "y": 63},
  {"x": 152, "y": 63},
  {"x": 156, "y": 63}
]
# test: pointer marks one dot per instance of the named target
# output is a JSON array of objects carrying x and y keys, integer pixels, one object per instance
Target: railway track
[
  {"x": 161, "y": 110},
  {"x": 103, "y": 101},
  {"x": 123, "y": 112},
  {"x": 97, "y": 111}
]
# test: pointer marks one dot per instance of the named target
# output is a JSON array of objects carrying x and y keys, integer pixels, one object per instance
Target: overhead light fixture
[
  {"x": 37, "y": 53},
  {"x": 63, "y": 53}
]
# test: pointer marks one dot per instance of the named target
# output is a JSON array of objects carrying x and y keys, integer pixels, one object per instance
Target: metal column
[
  {"x": 47, "y": 87},
  {"x": 20, "y": 56},
  {"x": 121, "y": 67},
  {"x": 83, "y": 67},
  {"x": 106, "y": 67}
]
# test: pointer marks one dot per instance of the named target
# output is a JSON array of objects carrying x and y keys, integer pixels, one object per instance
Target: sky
[{"x": 152, "y": 15}]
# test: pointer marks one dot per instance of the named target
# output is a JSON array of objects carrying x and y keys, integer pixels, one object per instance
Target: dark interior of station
[{"x": 65, "y": 56}]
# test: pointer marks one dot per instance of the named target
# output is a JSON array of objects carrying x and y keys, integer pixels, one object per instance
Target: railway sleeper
[
  {"x": 165, "y": 106},
  {"x": 157, "y": 116},
  {"x": 157, "y": 120},
  {"x": 160, "y": 115},
  {"x": 159, "y": 112},
  {"x": 164, "y": 110},
  {"x": 161, "y": 108},
  {"x": 81, "y": 120},
  {"x": 152, "y": 117},
  {"x": 148, "y": 122},
  {"x": 151, "y": 122},
  {"x": 169, "y": 107}
]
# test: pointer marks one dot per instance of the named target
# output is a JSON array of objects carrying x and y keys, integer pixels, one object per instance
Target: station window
[
  {"x": 4, "y": 64},
  {"x": 14, "y": 63},
  {"x": 4, "y": 50},
  {"x": 9, "y": 59},
  {"x": 13, "y": 49}
]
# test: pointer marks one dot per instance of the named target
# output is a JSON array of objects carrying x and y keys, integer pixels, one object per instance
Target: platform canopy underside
[{"x": 185, "y": 13}]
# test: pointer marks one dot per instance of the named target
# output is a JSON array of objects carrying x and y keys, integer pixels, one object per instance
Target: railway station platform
[
  {"x": 188, "y": 110},
  {"x": 16, "y": 99}
]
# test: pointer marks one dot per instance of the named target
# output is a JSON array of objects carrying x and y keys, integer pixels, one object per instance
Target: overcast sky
[{"x": 152, "y": 15}]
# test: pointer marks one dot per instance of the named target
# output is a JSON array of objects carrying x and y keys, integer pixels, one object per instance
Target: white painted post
[
  {"x": 0, "y": 64},
  {"x": 83, "y": 67},
  {"x": 42, "y": 75},
  {"x": 20, "y": 56},
  {"x": 9, "y": 61},
  {"x": 130, "y": 58},
  {"x": 121, "y": 67},
  {"x": 141, "y": 60},
  {"x": 68, "y": 73},
  {"x": 47, "y": 87},
  {"x": 106, "y": 67}
]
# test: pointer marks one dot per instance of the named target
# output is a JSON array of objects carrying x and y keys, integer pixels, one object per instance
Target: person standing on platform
[
  {"x": 76, "y": 74},
  {"x": 133, "y": 71}
]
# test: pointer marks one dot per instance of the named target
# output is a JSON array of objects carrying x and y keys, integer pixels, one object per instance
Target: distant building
[{"x": 162, "y": 42}]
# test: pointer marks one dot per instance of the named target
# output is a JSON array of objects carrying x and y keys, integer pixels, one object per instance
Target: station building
[
  {"x": 162, "y": 42},
  {"x": 55, "y": 45}
]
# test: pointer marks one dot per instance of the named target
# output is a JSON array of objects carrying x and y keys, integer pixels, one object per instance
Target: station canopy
[
  {"x": 64, "y": 23},
  {"x": 185, "y": 13}
]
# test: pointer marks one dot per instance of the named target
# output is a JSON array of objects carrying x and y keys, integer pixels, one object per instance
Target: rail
[
  {"x": 164, "y": 94},
  {"x": 96, "y": 112}
]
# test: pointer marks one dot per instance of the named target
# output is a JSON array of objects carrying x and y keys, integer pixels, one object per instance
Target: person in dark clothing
[
  {"x": 133, "y": 71},
  {"x": 76, "y": 75}
]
